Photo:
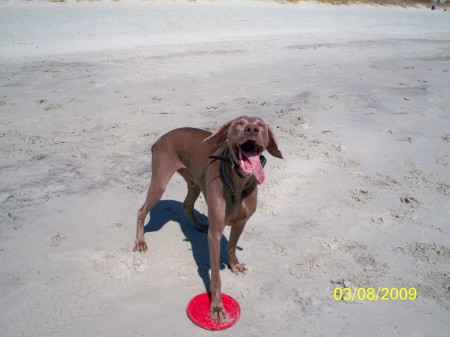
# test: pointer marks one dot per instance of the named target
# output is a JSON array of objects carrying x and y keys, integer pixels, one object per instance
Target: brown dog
[{"x": 227, "y": 167}]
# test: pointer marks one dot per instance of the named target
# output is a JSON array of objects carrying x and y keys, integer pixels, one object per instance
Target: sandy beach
[{"x": 358, "y": 97}]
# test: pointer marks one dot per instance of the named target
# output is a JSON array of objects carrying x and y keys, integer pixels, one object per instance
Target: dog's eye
[{"x": 241, "y": 122}]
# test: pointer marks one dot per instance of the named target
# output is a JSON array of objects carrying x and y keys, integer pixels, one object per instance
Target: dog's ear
[
  {"x": 272, "y": 146},
  {"x": 218, "y": 136}
]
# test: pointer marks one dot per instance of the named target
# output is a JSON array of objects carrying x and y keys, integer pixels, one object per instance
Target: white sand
[{"x": 359, "y": 99}]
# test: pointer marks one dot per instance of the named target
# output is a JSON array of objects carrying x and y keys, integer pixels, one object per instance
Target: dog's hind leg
[
  {"x": 192, "y": 195},
  {"x": 164, "y": 165}
]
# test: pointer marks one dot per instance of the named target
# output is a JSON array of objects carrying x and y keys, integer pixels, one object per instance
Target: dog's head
[{"x": 247, "y": 138}]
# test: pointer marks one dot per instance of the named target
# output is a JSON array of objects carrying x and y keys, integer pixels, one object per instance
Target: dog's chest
[{"x": 239, "y": 211}]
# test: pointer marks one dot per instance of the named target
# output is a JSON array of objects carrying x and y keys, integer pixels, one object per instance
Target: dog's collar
[{"x": 226, "y": 157}]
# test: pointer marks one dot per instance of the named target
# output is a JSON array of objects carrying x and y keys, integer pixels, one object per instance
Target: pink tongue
[{"x": 258, "y": 171}]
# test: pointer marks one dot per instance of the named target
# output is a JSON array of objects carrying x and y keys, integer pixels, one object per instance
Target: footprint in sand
[{"x": 57, "y": 240}]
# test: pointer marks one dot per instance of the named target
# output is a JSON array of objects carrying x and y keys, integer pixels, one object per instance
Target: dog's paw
[
  {"x": 238, "y": 268},
  {"x": 218, "y": 313},
  {"x": 140, "y": 246}
]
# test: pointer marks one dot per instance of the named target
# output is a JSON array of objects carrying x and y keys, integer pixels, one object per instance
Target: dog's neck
[
  {"x": 230, "y": 174},
  {"x": 226, "y": 157}
]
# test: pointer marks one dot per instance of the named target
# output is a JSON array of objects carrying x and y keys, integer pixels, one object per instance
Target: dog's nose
[{"x": 252, "y": 129}]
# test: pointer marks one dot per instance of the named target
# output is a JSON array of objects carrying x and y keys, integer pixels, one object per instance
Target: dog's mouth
[{"x": 248, "y": 155}]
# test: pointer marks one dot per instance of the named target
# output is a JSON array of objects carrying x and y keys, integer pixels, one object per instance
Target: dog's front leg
[
  {"x": 235, "y": 265},
  {"x": 216, "y": 217},
  {"x": 217, "y": 311}
]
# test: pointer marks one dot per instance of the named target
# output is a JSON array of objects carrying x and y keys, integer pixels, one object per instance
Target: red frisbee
[{"x": 198, "y": 311}]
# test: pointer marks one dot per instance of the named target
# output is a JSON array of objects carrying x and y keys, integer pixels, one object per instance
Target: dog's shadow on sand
[{"x": 171, "y": 210}]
